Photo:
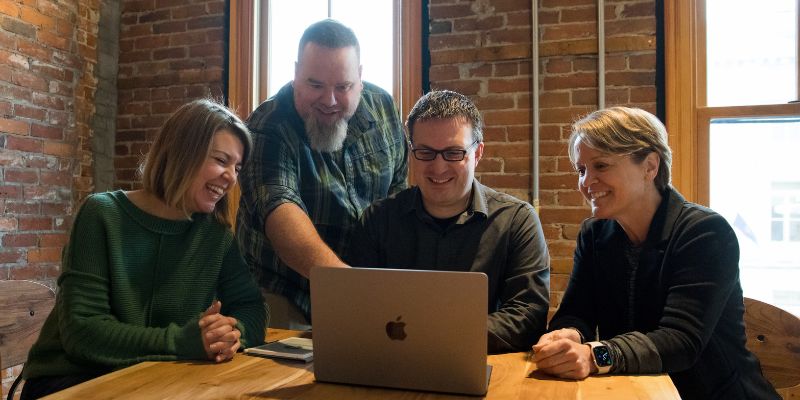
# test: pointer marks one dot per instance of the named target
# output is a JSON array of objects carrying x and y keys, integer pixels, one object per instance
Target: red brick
[
  {"x": 20, "y": 240},
  {"x": 188, "y": 11},
  {"x": 522, "y": 84},
  {"x": 53, "y": 239},
  {"x": 519, "y": 133},
  {"x": 646, "y": 9},
  {"x": 631, "y": 78},
  {"x": 14, "y": 126},
  {"x": 449, "y": 11},
  {"x": 27, "y": 224},
  {"x": 56, "y": 178},
  {"x": 643, "y": 61},
  {"x": 9, "y": 8},
  {"x": 508, "y": 36},
  {"x": 572, "y": 81},
  {"x": 489, "y": 165},
  {"x": 508, "y": 117},
  {"x": 21, "y": 176},
  {"x": 33, "y": 17},
  {"x": 523, "y": 18},
  {"x": 518, "y": 166},
  {"x": 569, "y": 31},
  {"x": 480, "y": 24},
  {"x": 494, "y": 102},
  {"x": 11, "y": 256},
  {"x": 48, "y": 254},
  {"x": 48, "y": 102},
  {"x": 58, "y": 149},
  {"x": 630, "y": 26},
  {"x": 205, "y": 22},
  {"x": 453, "y": 41},
  {"x": 47, "y": 132},
  {"x": 466, "y": 87},
  {"x": 55, "y": 209},
  {"x": 564, "y": 215},
  {"x": 582, "y": 14},
  {"x": 506, "y": 181},
  {"x": 23, "y": 144},
  {"x": 503, "y": 150},
  {"x": 29, "y": 112},
  {"x": 558, "y": 66}
]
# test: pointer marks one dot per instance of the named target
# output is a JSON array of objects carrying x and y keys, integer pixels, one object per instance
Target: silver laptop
[{"x": 407, "y": 329}]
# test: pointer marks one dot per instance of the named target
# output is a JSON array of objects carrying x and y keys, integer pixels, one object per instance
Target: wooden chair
[
  {"x": 24, "y": 306},
  {"x": 773, "y": 335}
]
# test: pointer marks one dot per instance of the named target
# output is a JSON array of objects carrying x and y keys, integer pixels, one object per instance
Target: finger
[
  {"x": 215, "y": 321},
  {"x": 214, "y": 308}
]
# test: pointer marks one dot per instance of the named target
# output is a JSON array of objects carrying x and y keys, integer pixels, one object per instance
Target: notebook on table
[{"x": 407, "y": 329}]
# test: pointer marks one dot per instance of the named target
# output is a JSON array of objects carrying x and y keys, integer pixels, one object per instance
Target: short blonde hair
[
  {"x": 625, "y": 131},
  {"x": 181, "y": 147}
]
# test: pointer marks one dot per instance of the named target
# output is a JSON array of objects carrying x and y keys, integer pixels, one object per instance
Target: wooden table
[{"x": 249, "y": 377}]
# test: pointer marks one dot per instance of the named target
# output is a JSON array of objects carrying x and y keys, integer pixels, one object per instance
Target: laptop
[{"x": 406, "y": 329}]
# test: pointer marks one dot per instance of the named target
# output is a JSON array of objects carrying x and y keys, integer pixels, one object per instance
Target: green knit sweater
[{"x": 133, "y": 287}]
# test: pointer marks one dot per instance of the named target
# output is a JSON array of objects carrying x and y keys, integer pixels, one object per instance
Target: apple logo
[{"x": 396, "y": 330}]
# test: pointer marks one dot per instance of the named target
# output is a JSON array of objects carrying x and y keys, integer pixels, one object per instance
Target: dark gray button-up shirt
[{"x": 498, "y": 235}]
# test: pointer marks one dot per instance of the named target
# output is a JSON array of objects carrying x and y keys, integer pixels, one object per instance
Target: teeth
[
  {"x": 597, "y": 195},
  {"x": 219, "y": 190},
  {"x": 439, "y": 180}
]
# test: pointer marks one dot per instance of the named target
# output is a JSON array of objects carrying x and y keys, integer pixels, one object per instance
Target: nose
[
  {"x": 230, "y": 174},
  {"x": 328, "y": 98},
  {"x": 586, "y": 180}
]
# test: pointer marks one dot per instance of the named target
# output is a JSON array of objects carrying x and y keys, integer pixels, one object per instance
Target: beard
[{"x": 323, "y": 137}]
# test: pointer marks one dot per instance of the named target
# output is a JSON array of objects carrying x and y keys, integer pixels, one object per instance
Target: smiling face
[
  {"x": 327, "y": 88},
  {"x": 218, "y": 174},
  {"x": 614, "y": 185},
  {"x": 445, "y": 185}
]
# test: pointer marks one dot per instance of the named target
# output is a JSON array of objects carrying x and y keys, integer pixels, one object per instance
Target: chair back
[
  {"x": 24, "y": 306},
  {"x": 773, "y": 335}
]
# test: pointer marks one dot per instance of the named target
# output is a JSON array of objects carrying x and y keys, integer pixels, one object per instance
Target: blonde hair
[
  {"x": 180, "y": 149},
  {"x": 625, "y": 131}
]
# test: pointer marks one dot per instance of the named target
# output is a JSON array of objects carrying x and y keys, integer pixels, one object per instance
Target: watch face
[{"x": 602, "y": 356}]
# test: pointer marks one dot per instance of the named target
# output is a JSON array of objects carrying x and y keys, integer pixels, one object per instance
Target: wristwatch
[{"x": 601, "y": 355}]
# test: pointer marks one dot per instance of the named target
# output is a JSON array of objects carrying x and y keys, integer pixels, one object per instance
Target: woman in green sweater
[{"x": 155, "y": 274}]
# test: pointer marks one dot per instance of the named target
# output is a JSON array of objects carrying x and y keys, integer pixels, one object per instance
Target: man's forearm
[{"x": 297, "y": 242}]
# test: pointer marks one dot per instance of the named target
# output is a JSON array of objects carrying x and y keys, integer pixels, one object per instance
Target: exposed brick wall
[
  {"x": 171, "y": 52},
  {"x": 483, "y": 48},
  {"x": 47, "y": 87}
]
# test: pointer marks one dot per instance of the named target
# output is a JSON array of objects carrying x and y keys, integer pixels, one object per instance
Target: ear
[
  {"x": 478, "y": 153},
  {"x": 651, "y": 163}
]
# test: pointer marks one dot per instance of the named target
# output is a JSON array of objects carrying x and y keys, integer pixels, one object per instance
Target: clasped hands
[
  {"x": 219, "y": 334},
  {"x": 561, "y": 353}
]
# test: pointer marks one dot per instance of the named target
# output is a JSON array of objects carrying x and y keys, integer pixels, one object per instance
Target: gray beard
[{"x": 325, "y": 138}]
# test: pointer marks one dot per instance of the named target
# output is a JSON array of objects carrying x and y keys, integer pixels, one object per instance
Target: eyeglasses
[{"x": 447, "y": 155}]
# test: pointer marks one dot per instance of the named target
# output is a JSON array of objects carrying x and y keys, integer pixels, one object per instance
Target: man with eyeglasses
[{"x": 450, "y": 221}]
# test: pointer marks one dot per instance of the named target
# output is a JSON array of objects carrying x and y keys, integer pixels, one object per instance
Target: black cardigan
[{"x": 684, "y": 299}]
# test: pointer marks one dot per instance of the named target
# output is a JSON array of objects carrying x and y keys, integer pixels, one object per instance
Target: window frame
[{"x": 688, "y": 117}]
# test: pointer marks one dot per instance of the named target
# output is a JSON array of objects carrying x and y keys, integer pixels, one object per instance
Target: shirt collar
[{"x": 478, "y": 205}]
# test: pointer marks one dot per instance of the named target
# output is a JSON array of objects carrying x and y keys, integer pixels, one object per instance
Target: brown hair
[
  {"x": 443, "y": 104},
  {"x": 181, "y": 147}
]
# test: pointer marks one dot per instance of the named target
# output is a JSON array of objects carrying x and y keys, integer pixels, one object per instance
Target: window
[
  {"x": 734, "y": 123},
  {"x": 265, "y": 34}
]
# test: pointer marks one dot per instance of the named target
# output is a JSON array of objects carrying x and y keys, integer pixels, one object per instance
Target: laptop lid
[{"x": 408, "y": 329}]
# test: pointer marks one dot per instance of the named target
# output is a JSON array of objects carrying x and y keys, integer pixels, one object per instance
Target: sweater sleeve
[
  {"x": 577, "y": 309},
  {"x": 88, "y": 329},
  {"x": 241, "y": 298},
  {"x": 525, "y": 297},
  {"x": 703, "y": 272}
]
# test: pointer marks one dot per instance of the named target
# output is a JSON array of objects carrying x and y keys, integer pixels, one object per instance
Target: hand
[
  {"x": 219, "y": 334},
  {"x": 560, "y": 353},
  {"x": 566, "y": 333}
]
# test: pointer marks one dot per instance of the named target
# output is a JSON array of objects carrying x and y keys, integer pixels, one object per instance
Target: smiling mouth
[
  {"x": 440, "y": 181},
  {"x": 597, "y": 195},
  {"x": 216, "y": 189}
]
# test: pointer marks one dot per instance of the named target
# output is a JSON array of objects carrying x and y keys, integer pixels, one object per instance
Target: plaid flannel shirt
[{"x": 332, "y": 188}]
